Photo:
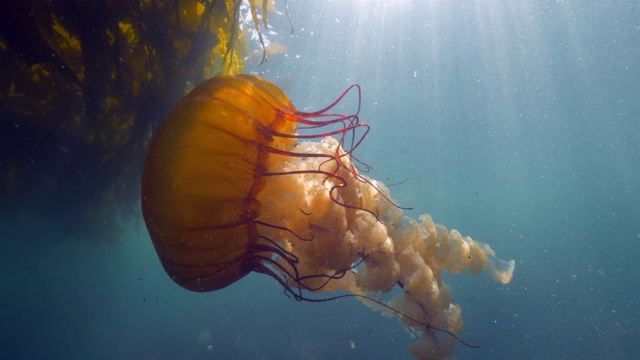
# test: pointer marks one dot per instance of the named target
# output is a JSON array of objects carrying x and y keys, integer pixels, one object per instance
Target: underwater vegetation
[{"x": 83, "y": 87}]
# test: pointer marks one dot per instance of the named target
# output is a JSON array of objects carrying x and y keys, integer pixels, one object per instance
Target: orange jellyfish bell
[
  {"x": 234, "y": 182},
  {"x": 202, "y": 174}
]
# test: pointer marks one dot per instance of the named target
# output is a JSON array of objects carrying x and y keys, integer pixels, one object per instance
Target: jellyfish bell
[
  {"x": 237, "y": 180},
  {"x": 201, "y": 177}
]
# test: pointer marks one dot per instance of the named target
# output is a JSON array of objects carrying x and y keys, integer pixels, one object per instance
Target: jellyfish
[{"x": 237, "y": 180}]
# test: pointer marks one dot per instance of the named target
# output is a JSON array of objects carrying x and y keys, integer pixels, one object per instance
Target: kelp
[{"x": 84, "y": 86}]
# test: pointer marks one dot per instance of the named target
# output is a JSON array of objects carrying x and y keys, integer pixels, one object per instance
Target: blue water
[{"x": 517, "y": 123}]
